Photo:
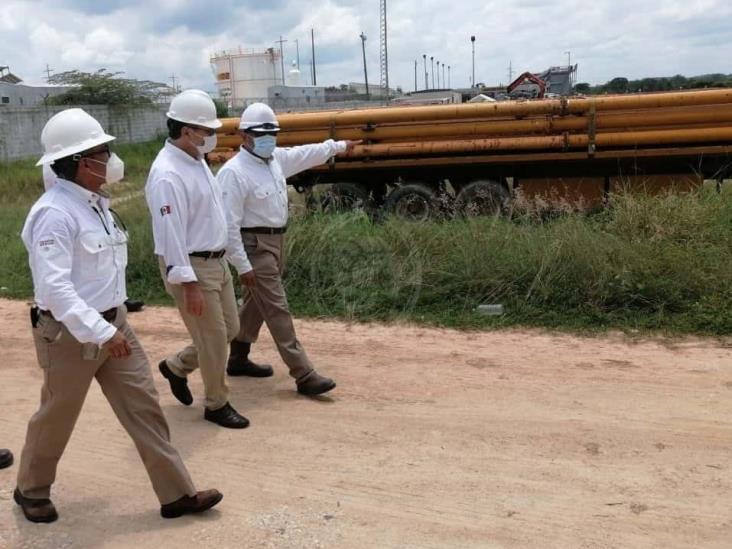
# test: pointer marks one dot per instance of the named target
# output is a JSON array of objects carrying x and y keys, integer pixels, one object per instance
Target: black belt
[
  {"x": 110, "y": 315},
  {"x": 264, "y": 230},
  {"x": 209, "y": 255}
]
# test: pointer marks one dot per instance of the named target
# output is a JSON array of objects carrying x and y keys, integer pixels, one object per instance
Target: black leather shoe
[
  {"x": 202, "y": 501},
  {"x": 240, "y": 365},
  {"x": 6, "y": 458},
  {"x": 178, "y": 385},
  {"x": 226, "y": 416},
  {"x": 313, "y": 384},
  {"x": 134, "y": 305},
  {"x": 36, "y": 510}
]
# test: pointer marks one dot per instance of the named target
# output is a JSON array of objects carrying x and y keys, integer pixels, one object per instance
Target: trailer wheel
[
  {"x": 482, "y": 198},
  {"x": 346, "y": 197},
  {"x": 414, "y": 201}
]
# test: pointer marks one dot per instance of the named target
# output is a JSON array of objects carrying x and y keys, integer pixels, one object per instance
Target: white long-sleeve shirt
[
  {"x": 187, "y": 211},
  {"x": 255, "y": 190},
  {"x": 78, "y": 256}
]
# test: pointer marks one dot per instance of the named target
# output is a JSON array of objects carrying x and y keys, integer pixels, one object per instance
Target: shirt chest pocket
[{"x": 101, "y": 255}]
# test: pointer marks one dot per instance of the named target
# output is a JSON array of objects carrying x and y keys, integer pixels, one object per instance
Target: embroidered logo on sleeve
[{"x": 165, "y": 210}]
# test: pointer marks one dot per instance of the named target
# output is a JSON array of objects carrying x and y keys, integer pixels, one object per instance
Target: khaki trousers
[
  {"x": 127, "y": 383},
  {"x": 211, "y": 332},
  {"x": 267, "y": 302}
]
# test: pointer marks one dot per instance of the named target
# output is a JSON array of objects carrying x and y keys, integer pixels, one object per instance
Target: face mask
[
  {"x": 264, "y": 146},
  {"x": 209, "y": 144},
  {"x": 115, "y": 168}
]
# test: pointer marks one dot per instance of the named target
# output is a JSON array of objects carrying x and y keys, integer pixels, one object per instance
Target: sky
[{"x": 156, "y": 40}]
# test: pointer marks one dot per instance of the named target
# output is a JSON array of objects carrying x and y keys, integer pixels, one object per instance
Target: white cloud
[{"x": 607, "y": 38}]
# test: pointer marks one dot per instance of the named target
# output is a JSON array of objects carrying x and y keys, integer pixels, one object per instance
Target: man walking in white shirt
[
  {"x": 192, "y": 242},
  {"x": 78, "y": 256},
  {"x": 254, "y": 183}
]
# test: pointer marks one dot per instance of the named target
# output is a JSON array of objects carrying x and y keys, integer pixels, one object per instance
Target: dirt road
[{"x": 433, "y": 438}]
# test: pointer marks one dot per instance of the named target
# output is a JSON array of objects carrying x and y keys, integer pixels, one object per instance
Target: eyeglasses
[{"x": 88, "y": 154}]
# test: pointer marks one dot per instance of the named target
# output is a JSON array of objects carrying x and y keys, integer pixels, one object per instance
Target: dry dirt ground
[{"x": 433, "y": 438}]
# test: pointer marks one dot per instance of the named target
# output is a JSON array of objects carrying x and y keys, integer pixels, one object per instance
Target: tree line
[{"x": 665, "y": 83}]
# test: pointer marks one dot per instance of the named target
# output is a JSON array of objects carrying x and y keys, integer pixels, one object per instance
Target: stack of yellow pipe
[{"x": 620, "y": 121}]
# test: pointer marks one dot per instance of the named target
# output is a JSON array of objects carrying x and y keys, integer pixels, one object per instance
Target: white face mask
[
  {"x": 114, "y": 168},
  {"x": 264, "y": 146},
  {"x": 209, "y": 144}
]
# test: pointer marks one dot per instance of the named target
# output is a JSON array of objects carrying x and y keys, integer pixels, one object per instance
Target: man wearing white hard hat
[
  {"x": 255, "y": 190},
  {"x": 192, "y": 243},
  {"x": 78, "y": 253}
]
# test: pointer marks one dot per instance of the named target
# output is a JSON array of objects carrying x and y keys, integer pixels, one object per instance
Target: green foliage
[
  {"x": 222, "y": 109},
  {"x": 677, "y": 82},
  {"x": 647, "y": 262},
  {"x": 105, "y": 88}
]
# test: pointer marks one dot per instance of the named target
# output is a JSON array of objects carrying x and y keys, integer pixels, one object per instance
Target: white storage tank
[{"x": 244, "y": 76}]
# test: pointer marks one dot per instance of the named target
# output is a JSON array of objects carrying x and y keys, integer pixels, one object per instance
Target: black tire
[
  {"x": 482, "y": 198},
  {"x": 414, "y": 201},
  {"x": 347, "y": 197}
]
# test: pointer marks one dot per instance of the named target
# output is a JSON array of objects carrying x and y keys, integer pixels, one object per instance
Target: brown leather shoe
[
  {"x": 202, "y": 501},
  {"x": 313, "y": 384},
  {"x": 6, "y": 458},
  {"x": 36, "y": 510}
]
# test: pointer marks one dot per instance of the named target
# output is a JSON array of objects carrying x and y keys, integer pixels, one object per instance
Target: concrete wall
[{"x": 20, "y": 127}]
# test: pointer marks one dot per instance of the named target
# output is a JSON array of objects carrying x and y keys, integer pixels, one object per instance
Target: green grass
[{"x": 649, "y": 263}]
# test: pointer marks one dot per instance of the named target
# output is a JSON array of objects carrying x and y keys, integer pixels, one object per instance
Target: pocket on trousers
[
  {"x": 251, "y": 242},
  {"x": 49, "y": 329}
]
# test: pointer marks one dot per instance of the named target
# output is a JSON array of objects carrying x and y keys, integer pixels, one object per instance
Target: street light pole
[
  {"x": 415, "y": 75},
  {"x": 432, "y": 63},
  {"x": 449, "y": 78},
  {"x": 424, "y": 59},
  {"x": 438, "y": 75},
  {"x": 472, "y": 41},
  {"x": 365, "y": 71},
  {"x": 443, "y": 76}
]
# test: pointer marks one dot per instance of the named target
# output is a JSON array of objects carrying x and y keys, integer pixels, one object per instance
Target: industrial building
[{"x": 14, "y": 93}]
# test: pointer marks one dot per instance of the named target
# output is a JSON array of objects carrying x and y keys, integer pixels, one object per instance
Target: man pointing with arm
[{"x": 255, "y": 192}]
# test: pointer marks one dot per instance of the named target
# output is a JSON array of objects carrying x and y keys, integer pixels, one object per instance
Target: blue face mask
[{"x": 264, "y": 146}]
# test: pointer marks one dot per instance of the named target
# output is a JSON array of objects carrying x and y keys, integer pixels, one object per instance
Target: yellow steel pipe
[
  {"x": 422, "y": 132},
  {"x": 619, "y": 139},
  {"x": 491, "y": 110}
]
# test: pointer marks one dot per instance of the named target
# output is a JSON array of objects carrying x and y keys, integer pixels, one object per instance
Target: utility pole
[
  {"x": 312, "y": 43},
  {"x": 415, "y": 75},
  {"x": 297, "y": 47},
  {"x": 432, "y": 63},
  {"x": 384, "y": 52},
  {"x": 365, "y": 72},
  {"x": 173, "y": 78},
  {"x": 48, "y": 72},
  {"x": 424, "y": 60},
  {"x": 282, "y": 58},
  {"x": 510, "y": 72},
  {"x": 472, "y": 41}
]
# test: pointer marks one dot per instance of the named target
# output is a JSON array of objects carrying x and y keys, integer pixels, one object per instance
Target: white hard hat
[
  {"x": 69, "y": 132},
  {"x": 258, "y": 117},
  {"x": 194, "y": 107}
]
